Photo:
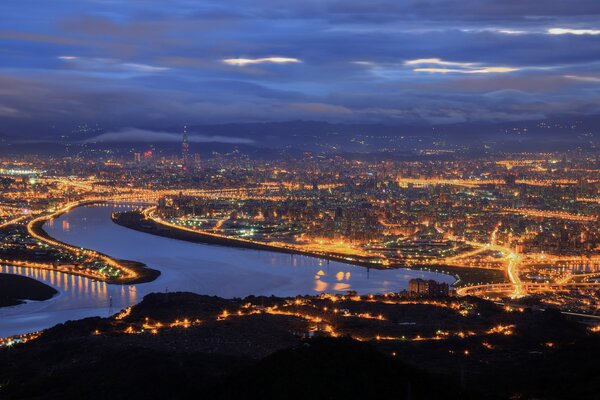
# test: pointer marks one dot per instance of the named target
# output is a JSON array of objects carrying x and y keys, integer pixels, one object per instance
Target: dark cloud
[{"x": 143, "y": 63}]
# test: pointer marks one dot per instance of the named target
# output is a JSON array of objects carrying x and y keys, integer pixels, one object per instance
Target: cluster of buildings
[
  {"x": 431, "y": 211},
  {"x": 429, "y": 288}
]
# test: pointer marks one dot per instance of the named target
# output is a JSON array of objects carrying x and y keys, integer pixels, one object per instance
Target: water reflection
[
  {"x": 207, "y": 269},
  {"x": 56, "y": 279}
]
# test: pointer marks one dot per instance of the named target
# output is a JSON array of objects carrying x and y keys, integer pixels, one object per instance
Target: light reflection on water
[
  {"x": 65, "y": 283},
  {"x": 78, "y": 297},
  {"x": 185, "y": 266}
]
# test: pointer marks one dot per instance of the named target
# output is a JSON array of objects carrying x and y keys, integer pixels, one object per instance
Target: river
[{"x": 185, "y": 266}]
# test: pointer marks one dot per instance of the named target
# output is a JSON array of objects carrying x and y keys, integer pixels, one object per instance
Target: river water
[{"x": 185, "y": 266}]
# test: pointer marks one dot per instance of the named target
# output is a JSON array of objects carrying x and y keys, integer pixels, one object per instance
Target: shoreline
[
  {"x": 16, "y": 289},
  {"x": 136, "y": 221},
  {"x": 145, "y": 273}
]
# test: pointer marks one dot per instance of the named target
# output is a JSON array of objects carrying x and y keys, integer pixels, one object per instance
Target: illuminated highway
[
  {"x": 126, "y": 273},
  {"x": 449, "y": 218}
]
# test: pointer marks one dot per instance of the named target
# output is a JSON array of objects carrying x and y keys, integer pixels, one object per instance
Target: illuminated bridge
[{"x": 501, "y": 289}]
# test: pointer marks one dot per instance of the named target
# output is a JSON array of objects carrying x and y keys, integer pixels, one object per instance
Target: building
[
  {"x": 185, "y": 150},
  {"x": 431, "y": 288}
]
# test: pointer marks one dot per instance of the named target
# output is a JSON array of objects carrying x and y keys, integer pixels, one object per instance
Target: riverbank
[
  {"x": 228, "y": 272},
  {"x": 136, "y": 221},
  {"x": 143, "y": 273},
  {"x": 15, "y": 289}
]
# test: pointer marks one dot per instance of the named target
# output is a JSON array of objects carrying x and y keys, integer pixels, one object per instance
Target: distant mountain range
[{"x": 323, "y": 137}]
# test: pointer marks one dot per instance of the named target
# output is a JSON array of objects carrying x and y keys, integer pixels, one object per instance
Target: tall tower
[{"x": 185, "y": 150}]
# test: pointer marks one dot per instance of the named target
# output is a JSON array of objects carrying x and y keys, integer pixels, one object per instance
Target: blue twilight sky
[{"x": 151, "y": 63}]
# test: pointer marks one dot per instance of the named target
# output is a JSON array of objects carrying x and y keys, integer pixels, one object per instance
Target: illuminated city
[{"x": 436, "y": 236}]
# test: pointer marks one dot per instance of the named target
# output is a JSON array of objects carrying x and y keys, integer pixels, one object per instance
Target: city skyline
[{"x": 316, "y": 199}]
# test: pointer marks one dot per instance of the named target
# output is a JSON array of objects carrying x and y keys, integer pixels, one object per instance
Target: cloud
[
  {"x": 145, "y": 63},
  {"x": 433, "y": 66},
  {"x": 568, "y": 31},
  {"x": 362, "y": 62},
  {"x": 462, "y": 67},
  {"x": 109, "y": 64},
  {"x": 8, "y": 111},
  {"x": 437, "y": 61},
  {"x": 242, "y": 62},
  {"x": 320, "y": 108},
  {"x": 504, "y": 31},
  {"x": 594, "y": 79},
  {"x": 40, "y": 38},
  {"x": 484, "y": 70},
  {"x": 134, "y": 135}
]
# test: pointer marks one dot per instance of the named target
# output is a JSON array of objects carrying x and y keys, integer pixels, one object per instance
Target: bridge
[{"x": 526, "y": 287}]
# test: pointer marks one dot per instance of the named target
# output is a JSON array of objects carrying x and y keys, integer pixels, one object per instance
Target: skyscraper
[{"x": 185, "y": 150}]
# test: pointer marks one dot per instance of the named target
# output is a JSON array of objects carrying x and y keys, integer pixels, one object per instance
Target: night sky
[{"x": 141, "y": 63}]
